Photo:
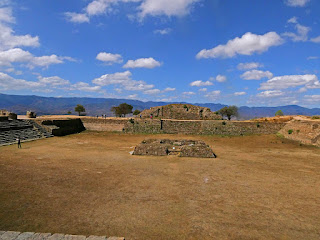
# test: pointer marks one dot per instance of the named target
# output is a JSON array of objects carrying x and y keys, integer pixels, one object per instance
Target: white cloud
[
  {"x": 270, "y": 94},
  {"x": 166, "y": 7},
  {"x": 221, "y": 78},
  {"x": 124, "y": 80},
  {"x": 163, "y": 31},
  {"x": 315, "y": 40},
  {"x": 53, "y": 81},
  {"x": 77, "y": 17},
  {"x": 9, "y": 83},
  {"x": 7, "y": 37},
  {"x": 82, "y": 86},
  {"x": 132, "y": 96},
  {"x": 142, "y": 63},
  {"x": 169, "y": 89},
  {"x": 188, "y": 93},
  {"x": 213, "y": 94},
  {"x": 203, "y": 89},
  {"x": 17, "y": 55},
  {"x": 256, "y": 75},
  {"x": 109, "y": 58},
  {"x": 296, "y": 3},
  {"x": 240, "y": 93},
  {"x": 200, "y": 83},
  {"x": 152, "y": 91},
  {"x": 248, "y": 44},
  {"x": 312, "y": 57},
  {"x": 290, "y": 81},
  {"x": 250, "y": 65},
  {"x": 314, "y": 99},
  {"x": 302, "y": 31}
]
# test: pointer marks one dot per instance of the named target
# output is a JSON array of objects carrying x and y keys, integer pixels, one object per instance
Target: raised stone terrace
[
  {"x": 27, "y": 130},
  {"x": 10, "y": 235}
]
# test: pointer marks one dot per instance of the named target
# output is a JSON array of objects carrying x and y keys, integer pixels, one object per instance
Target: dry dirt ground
[{"x": 259, "y": 187}]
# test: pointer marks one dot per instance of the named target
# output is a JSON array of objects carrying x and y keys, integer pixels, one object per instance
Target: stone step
[{"x": 10, "y": 235}]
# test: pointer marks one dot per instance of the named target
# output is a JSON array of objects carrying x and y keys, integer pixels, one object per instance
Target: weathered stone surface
[
  {"x": 181, "y": 148},
  {"x": 41, "y": 236},
  {"x": 25, "y": 236},
  {"x": 74, "y": 237},
  {"x": 56, "y": 236},
  {"x": 9, "y": 235},
  {"x": 115, "y": 238},
  {"x": 96, "y": 238}
]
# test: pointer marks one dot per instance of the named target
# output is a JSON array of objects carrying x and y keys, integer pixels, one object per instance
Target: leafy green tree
[
  {"x": 69, "y": 112},
  {"x": 136, "y": 112},
  {"x": 122, "y": 110},
  {"x": 229, "y": 112},
  {"x": 79, "y": 108},
  {"x": 279, "y": 113}
]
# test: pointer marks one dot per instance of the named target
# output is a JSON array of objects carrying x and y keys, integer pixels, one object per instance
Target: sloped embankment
[{"x": 304, "y": 131}]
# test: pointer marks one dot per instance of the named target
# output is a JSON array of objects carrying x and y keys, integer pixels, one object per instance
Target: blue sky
[{"x": 248, "y": 52}]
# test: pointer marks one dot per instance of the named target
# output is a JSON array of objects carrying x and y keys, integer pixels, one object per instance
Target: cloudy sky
[{"x": 247, "y": 52}]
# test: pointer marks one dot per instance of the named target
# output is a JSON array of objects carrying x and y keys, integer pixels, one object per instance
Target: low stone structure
[
  {"x": 31, "y": 114},
  {"x": 303, "y": 131},
  {"x": 181, "y": 148},
  {"x": 9, "y": 115},
  {"x": 179, "y": 111},
  {"x": 10, "y": 235},
  {"x": 199, "y": 127},
  {"x": 62, "y": 127}
]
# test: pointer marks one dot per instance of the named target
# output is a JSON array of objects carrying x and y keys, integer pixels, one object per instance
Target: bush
[
  {"x": 131, "y": 120},
  {"x": 258, "y": 125},
  {"x": 316, "y": 117},
  {"x": 290, "y": 131},
  {"x": 224, "y": 123}
]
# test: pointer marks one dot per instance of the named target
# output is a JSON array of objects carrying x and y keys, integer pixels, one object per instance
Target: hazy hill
[{"x": 97, "y": 106}]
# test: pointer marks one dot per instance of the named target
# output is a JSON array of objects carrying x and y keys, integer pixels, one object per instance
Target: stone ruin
[
  {"x": 180, "y": 112},
  {"x": 5, "y": 115},
  {"x": 181, "y": 148},
  {"x": 31, "y": 114}
]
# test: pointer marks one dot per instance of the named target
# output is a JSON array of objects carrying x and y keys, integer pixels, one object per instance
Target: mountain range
[{"x": 98, "y": 106}]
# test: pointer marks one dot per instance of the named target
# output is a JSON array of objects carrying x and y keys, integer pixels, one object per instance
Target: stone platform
[
  {"x": 9, "y": 235},
  {"x": 181, "y": 148}
]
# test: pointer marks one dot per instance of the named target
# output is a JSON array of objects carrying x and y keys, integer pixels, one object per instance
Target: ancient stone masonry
[
  {"x": 303, "y": 131},
  {"x": 179, "y": 111},
  {"x": 181, "y": 148},
  {"x": 10, "y": 235},
  {"x": 4, "y": 114},
  {"x": 214, "y": 127},
  {"x": 27, "y": 130},
  {"x": 62, "y": 127},
  {"x": 100, "y": 124}
]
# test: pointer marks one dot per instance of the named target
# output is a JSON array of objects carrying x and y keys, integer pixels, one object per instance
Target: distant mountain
[{"x": 97, "y": 106}]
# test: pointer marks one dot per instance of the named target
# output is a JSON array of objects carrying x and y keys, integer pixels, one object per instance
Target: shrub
[
  {"x": 224, "y": 123},
  {"x": 316, "y": 117},
  {"x": 279, "y": 113},
  {"x": 131, "y": 120},
  {"x": 290, "y": 131},
  {"x": 258, "y": 125}
]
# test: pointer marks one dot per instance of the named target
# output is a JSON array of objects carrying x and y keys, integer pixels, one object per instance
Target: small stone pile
[{"x": 181, "y": 148}]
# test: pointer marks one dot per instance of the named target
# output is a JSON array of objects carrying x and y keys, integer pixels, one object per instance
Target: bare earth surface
[{"x": 259, "y": 187}]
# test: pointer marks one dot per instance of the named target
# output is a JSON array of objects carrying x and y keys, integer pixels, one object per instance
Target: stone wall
[
  {"x": 63, "y": 127},
  {"x": 303, "y": 131},
  {"x": 233, "y": 128},
  {"x": 100, "y": 124}
]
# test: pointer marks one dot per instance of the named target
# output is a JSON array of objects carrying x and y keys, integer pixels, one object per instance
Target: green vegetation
[
  {"x": 290, "y": 131},
  {"x": 224, "y": 123},
  {"x": 79, "y": 109},
  {"x": 229, "y": 112},
  {"x": 122, "y": 110},
  {"x": 69, "y": 112},
  {"x": 258, "y": 125},
  {"x": 316, "y": 117},
  {"x": 280, "y": 135},
  {"x": 136, "y": 112},
  {"x": 279, "y": 113}
]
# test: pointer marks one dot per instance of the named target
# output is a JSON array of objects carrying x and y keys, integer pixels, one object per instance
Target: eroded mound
[{"x": 181, "y": 148}]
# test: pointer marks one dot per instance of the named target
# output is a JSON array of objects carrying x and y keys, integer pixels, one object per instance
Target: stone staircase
[{"x": 28, "y": 130}]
